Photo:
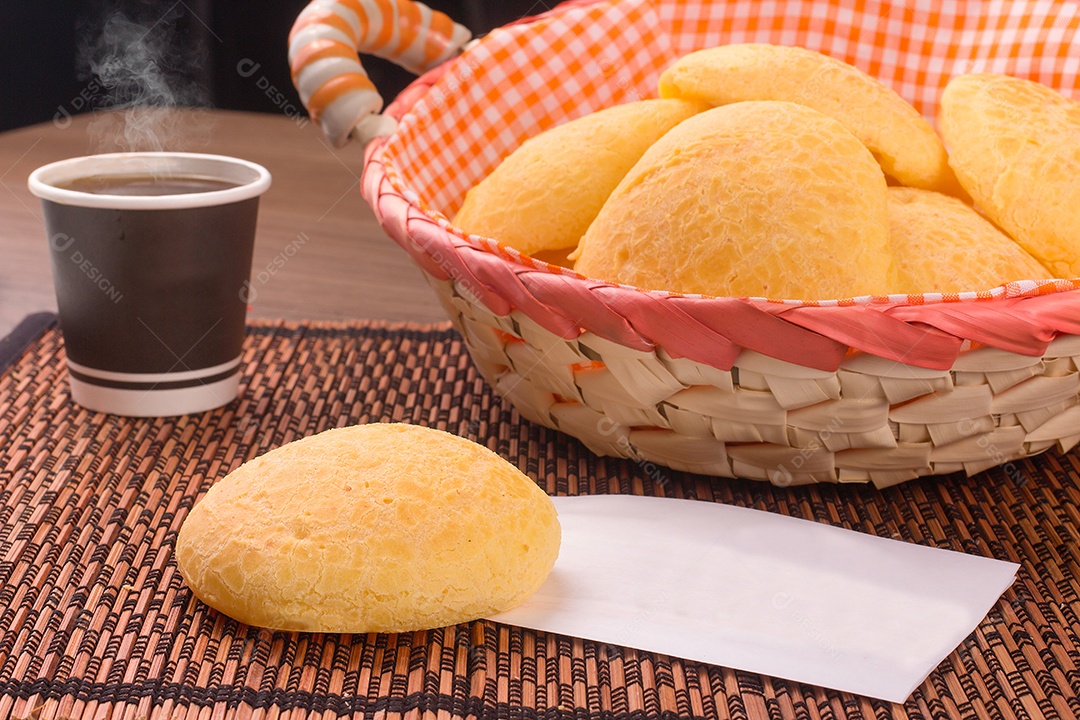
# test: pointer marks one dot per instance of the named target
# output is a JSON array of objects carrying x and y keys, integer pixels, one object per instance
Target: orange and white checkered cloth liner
[{"x": 524, "y": 78}]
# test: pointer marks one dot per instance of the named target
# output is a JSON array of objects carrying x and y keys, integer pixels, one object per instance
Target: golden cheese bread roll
[
  {"x": 1015, "y": 145},
  {"x": 901, "y": 140},
  {"x": 373, "y": 528},
  {"x": 764, "y": 198},
  {"x": 940, "y": 244},
  {"x": 544, "y": 194}
]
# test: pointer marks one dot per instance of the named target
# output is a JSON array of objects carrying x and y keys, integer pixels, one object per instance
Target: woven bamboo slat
[{"x": 871, "y": 420}]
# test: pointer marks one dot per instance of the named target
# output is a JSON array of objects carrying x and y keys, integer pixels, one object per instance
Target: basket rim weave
[{"x": 928, "y": 331}]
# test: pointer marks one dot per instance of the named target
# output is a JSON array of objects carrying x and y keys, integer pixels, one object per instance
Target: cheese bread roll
[
  {"x": 544, "y": 194},
  {"x": 373, "y": 528},
  {"x": 765, "y": 199},
  {"x": 941, "y": 245},
  {"x": 901, "y": 140},
  {"x": 1015, "y": 145}
]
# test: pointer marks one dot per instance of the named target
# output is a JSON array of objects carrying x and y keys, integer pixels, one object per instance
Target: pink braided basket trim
[{"x": 922, "y": 330}]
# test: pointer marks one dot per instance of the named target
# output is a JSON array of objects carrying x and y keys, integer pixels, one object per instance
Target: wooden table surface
[{"x": 319, "y": 252}]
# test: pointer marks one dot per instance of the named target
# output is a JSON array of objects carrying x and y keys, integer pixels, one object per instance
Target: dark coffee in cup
[
  {"x": 146, "y": 185},
  {"x": 150, "y": 255}
]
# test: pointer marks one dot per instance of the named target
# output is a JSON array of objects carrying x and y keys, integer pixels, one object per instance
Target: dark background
[{"x": 49, "y": 46}]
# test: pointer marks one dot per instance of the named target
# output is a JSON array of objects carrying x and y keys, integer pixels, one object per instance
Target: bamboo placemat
[{"x": 95, "y": 622}]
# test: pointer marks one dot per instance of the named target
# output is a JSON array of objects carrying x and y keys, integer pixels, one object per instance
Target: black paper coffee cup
[{"x": 150, "y": 255}]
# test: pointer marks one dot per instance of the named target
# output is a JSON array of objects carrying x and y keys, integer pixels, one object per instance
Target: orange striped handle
[{"x": 324, "y": 48}]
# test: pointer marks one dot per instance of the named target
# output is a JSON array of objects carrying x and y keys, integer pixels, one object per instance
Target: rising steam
[{"x": 141, "y": 64}]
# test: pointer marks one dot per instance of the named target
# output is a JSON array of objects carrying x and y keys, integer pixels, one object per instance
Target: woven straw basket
[{"x": 881, "y": 389}]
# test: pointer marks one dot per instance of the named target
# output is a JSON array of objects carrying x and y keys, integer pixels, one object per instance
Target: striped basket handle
[{"x": 323, "y": 56}]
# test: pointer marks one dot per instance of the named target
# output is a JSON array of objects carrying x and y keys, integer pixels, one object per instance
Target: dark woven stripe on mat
[
  {"x": 95, "y": 622},
  {"x": 28, "y": 330}
]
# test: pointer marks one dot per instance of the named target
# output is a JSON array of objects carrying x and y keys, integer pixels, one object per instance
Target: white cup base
[{"x": 156, "y": 403}]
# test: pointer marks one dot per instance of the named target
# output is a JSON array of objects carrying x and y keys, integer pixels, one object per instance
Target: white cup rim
[{"x": 254, "y": 179}]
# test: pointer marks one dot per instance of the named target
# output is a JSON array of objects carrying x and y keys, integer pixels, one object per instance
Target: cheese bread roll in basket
[
  {"x": 1015, "y": 145},
  {"x": 942, "y": 245},
  {"x": 901, "y": 140},
  {"x": 544, "y": 195},
  {"x": 759, "y": 199}
]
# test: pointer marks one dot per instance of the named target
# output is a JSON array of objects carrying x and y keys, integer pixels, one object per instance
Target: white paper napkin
[{"x": 760, "y": 592}]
